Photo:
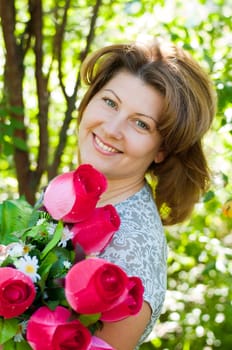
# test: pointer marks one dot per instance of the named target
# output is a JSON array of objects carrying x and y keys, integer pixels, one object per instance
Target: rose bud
[
  {"x": 72, "y": 197},
  {"x": 95, "y": 233},
  {"x": 130, "y": 305},
  {"x": 99, "y": 344},
  {"x": 42, "y": 325},
  {"x": 94, "y": 285},
  {"x": 72, "y": 335},
  {"x": 17, "y": 292}
]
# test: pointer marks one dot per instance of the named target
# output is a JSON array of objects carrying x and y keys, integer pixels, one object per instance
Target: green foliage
[
  {"x": 197, "y": 312},
  {"x": 13, "y": 215},
  {"x": 8, "y": 328}
]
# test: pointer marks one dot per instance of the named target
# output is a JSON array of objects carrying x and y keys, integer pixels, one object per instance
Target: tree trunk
[{"x": 14, "y": 72}]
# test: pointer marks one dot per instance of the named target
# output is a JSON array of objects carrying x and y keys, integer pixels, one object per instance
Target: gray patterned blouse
[{"x": 139, "y": 247}]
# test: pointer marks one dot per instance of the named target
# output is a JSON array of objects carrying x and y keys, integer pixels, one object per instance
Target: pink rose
[
  {"x": 73, "y": 196},
  {"x": 99, "y": 344},
  {"x": 42, "y": 325},
  {"x": 95, "y": 233},
  {"x": 52, "y": 330},
  {"x": 72, "y": 335},
  {"x": 94, "y": 285},
  {"x": 17, "y": 292},
  {"x": 130, "y": 305}
]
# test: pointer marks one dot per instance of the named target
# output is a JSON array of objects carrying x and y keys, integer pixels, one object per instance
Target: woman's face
[{"x": 118, "y": 131}]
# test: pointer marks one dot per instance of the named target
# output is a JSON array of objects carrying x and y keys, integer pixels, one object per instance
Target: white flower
[
  {"x": 67, "y": 264},
  {"x": 51, "y": 228},
  {"x": 66, "y": 236},
  {"x": 40, "y": 221},
  {"x": 20, "y": 331},
  {"x": 15, "y": 249},
  {"x": 29, "y": 266},
  {"x": 18, "y": 337}
]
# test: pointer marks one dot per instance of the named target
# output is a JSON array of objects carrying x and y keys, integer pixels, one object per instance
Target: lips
[{"x": 105, "y": 147}]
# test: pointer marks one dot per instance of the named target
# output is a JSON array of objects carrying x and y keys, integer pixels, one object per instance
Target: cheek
[
  {"x": 142, "y": 147},
  {"x": 88, "y": 120},
  {"x": 83, "y": 127}
]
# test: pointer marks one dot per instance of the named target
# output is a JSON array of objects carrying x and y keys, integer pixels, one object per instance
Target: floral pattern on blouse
[{"x": 140, "y": 248}]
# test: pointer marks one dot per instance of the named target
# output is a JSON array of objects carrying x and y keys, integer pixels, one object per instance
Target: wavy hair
[{"x": 189, "y": 107}]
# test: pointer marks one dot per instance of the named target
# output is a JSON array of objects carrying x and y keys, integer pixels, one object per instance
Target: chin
[{"x": 88, "y": 160}]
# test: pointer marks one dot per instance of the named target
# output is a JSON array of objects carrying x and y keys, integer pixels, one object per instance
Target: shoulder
[{"x": 141, "y": 228}]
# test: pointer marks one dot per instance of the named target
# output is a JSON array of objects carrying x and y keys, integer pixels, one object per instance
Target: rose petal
[
  {"x": 89, "y": 184},
  {"x": 72, "y": 335},
  {"x": 95, "y": 233},
  {"x": 72, "y": 196},
  {"x": 94, "y": 285},
  {"x": 42, "y": 325},
  {"x": 17, "y": 292},
  {"x": 130, "y": 305},
  {"x": 59, "y": 196},
  {"x": 99, "y": 344}
]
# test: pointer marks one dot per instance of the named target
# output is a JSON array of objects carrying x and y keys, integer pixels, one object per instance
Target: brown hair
[{"x": 189, "y": 107}]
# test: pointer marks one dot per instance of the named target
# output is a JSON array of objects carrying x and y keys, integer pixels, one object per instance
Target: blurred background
[{"x": 42, "y": 45}]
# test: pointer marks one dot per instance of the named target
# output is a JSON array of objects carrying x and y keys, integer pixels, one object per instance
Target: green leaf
[
  {"x": 14, "y": 216},
  {"x": 55, "y": 239},
  {"x": 208, "y": 196},
  {"x": 87, "y": 320},
  {"x": 45, "y": 267},
  {"x": 23, "y": 345},
  {"x": 58, "y": 268},
  {"x": 32, "y": 231},
  {"x": 53, "y": 304},
  {"x": 7, "y": 147},
  {"x": 20, "y": 143},
  {"x": 9, "y": 345},
  {"x": 4, "y": 112},
  {"x": 8, "y": 329},
  {"x": 16, "y": 109},
  {"x": 17, "y": 124}
]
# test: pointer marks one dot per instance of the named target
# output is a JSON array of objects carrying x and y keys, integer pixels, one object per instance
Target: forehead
[{"x": 134, "y": 92}]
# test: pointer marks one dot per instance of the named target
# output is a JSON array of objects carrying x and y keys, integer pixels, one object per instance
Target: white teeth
[{"x": 104, "y": 147}]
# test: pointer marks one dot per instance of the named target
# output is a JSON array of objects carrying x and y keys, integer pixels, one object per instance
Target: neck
[{"x": 117, "y": 191}]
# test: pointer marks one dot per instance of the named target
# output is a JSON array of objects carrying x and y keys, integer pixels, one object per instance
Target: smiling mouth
[{"x": 105, "y": 147}]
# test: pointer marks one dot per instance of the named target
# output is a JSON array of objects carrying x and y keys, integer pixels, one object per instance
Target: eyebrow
[
  {"x": 139, "y": 114},
  {"x": 113, "y": 94}
]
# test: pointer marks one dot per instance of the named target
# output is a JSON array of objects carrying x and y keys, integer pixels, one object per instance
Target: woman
[{"x": 142, "y": 120}]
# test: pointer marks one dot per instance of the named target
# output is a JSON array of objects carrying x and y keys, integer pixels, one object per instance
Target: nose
[{"x": 114, "y": 127}]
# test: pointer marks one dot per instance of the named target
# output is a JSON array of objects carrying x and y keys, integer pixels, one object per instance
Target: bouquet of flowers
[{"x": 54, "y": 290}]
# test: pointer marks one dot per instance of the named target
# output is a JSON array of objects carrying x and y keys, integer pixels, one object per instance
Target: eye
[
  {"x": 142, "y": 125},
  {"x": 109, "y": 102}
]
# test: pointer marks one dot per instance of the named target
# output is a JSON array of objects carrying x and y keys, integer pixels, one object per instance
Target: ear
[{"x": 160, "y": 156}]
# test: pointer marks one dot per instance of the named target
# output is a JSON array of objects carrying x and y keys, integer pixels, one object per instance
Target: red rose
[
  {"x": 73, "y": 196},
  {"x": 17, "y": 292},
  {"x": 94, "y": 285},
  {"x": 52, "y": 330},
  {"x": 72, "y": 335},
  {"x": 95, "y": 233},
  {"x": 130, "y": 305},
  {"x": 42, "y": 326},
  {"x": 99, "y": 344}
]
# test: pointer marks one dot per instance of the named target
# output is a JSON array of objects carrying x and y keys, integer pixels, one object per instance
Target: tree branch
[
  {"x": 42, "y": 90},
  {"x": 91, "y": 35},
  {"x": 71, "y": 100},
  {"x": 59, "y": 41}
]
